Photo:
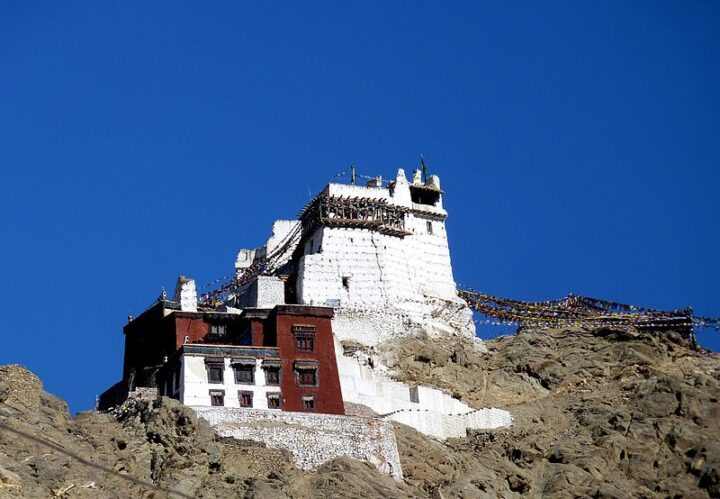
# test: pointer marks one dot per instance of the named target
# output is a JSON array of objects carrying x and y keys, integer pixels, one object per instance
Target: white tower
[{"x": 380, "y": 256}]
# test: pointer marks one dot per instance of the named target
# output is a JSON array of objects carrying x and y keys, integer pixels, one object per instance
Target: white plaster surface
[
  {"x": 186, "y": 294},
  {"x": 264, "y": 292},
  {"x": 312, "y": 439},
  {"x": 431, "y": 412},
  {"x": 278, "y": 249},
  {"x": 195, "y": 389},
  {"x": 383, "y": 286},
  {"x": 386, "y": 286}
]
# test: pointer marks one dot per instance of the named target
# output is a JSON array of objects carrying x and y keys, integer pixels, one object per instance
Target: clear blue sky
[{"x": 578, "y": 143}]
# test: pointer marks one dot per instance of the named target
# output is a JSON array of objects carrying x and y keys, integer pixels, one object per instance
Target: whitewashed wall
[
  {"x": 312, "y": 439},
  {"x": 284, "y": 232},
  {"x": 444, "y": 426},
  {"x": 435, "y": 413},
  {"x": 264, "y": 292},
  {"x": 195, "y": 389},
  {"x": 386, "y": 285}
]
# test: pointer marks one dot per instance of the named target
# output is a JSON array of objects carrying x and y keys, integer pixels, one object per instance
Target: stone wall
[
  {"x": 264, "y": 292},
  {"x": 366, "y": 383},
  {"x": 397, "y": 283},
  {"x": 312, "y": 439},
  {"x": 444, "y": 426}
]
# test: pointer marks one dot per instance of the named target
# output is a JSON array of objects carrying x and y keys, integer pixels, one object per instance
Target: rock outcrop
[{"x": 597, "y": 414}]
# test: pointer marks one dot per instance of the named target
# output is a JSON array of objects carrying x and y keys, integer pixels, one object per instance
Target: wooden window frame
[
  {"x": 218, "y": 330},
  {"x": 245, "y": 393},
  {"x": 209, "y": 368},
  {"x": 304, "y": 336},
  {"x": 238, "y": 368},
  {"x": 213, "y": 397},
  {"x": 299, "y": 376},
  {"x": 275, "y": 369},
  {"x": 305, "y": 397},
  {"x": 274, "y": 396}
]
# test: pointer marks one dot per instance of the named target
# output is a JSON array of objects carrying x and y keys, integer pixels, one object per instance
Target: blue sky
[{"x": 578, "y": 144}]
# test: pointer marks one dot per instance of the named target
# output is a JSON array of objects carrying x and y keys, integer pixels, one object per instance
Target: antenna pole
[
  {"x": 424, "y": 168},
  {"x": 353, "y": 175}
]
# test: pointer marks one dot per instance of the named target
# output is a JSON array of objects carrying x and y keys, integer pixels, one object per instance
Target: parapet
[{"x": 186, "y": 294}]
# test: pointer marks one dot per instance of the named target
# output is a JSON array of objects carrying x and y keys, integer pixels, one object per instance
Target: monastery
[{"x": 289, "y": 338}]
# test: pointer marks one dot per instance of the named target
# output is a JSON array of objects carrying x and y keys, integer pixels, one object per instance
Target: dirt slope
[{"x": 597, "y": 414}]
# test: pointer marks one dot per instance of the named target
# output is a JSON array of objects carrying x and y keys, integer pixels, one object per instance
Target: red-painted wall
[
  {"x": 256, "y": 330},
  {"x": 195, "y": 328},
  {"x": 154, "y": 335},
  {"x": 328, "y": 394}
]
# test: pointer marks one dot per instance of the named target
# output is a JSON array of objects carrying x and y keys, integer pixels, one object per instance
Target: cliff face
[{"x": 600, "y": 413}]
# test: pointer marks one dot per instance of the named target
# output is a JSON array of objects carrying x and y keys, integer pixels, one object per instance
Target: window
[
  {"x": 246, "y": 399},
  {"x": 304, "y": 338},
  {"x": 308, "y": 403},
  {"x": 244, "y": 374},
  {"x": 305, "y": 344},
  {"x": 307, "y": 377},
  {"x": 272, "y": 376},
  {"x": 273, "y": 400},
  {"x": 217, "y": 397},
  {"x": 414, "y": 395},
  {"x": 219, "y": 330},
  {"x": 424, "y": 195},
  {"x": 346, "y": 282},
  {"x": 429, "y": 227},
  {"x": 215, "y": 372}
]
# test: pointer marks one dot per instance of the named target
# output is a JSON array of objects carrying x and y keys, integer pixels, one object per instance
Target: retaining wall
[{"x": 312, "y": 439}]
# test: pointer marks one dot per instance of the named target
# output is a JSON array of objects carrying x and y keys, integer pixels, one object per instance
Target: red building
[{"x": 280, "y": 358}]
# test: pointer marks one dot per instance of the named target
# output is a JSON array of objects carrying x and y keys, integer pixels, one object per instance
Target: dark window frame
[
  {"x": 212, "y": 368},
  {"x": 309, "y": 397},
  {"x": 241, "y": 399},
  {"x": 272, "y": 369},
  {"x": 217, "y": 396},
  {"x": 244, "y": 368},
  {"x": 274, "y": 396},
  {"x": 299, "y": 372},
  {"x": 304, "y": 337},
  {"x": 218, "y": 330}
]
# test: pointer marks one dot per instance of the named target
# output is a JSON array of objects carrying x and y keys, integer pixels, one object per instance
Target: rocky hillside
[{"x": 598, "y": 414}]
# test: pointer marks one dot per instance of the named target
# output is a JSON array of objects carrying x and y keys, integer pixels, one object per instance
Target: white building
[
  {"x": 378, "y": 255},
  {"x": 225, "y": 376}
]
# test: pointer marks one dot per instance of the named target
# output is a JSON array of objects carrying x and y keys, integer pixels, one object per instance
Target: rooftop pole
[{"x": 424, "y": 168}]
